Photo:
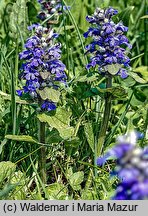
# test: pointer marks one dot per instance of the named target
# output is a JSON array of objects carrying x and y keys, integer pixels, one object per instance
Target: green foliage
[
  {"x": 72, "y": 130},
  {"x": 7, "y": 168},
  {"x": 57, "y": 191},
  {"x": 60, "y": 121},
  {"x": 89, "y": 134},
  {"x": 22, "y": 138},
  {"x": 18, "y": 20},
  {"x": 49, "y": 93},
  {"x": 75, "y": 179}
]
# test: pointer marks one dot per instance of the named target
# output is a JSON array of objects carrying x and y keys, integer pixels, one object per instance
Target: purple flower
[
  {"x": 42, "y": 66},
  {"x": 51, "y": 7},
  {"x": 19, "y": 92},
  {"x": 48, "y": 105},
  {"x": 131, "y": 168},
  {"x": 128, "y": 175},
  {"x": 108, "y": 41}
]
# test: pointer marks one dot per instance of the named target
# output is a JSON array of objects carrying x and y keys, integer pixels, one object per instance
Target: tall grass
[{"x": 70, "y": 147}]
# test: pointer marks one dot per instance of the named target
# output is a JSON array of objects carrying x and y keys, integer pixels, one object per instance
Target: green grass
[{"x": 70, "y": 159}]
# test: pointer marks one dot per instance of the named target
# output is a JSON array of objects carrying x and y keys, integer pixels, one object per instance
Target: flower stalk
[
  {"x": 42, "y": 70},
  {"x": 106, "y": 116},
  {"x": 42, "y": 164},
  {"x": 108, "y": 51}
]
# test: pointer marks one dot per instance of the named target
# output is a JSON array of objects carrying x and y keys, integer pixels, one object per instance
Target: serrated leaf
[
  {"x": 50, "y": 94},
  {"x": 60, "y": 121},
  {"x": 137, "y": 78},
  {"x": 23, "y": 138},
  {"x": 89, "y": 134}
]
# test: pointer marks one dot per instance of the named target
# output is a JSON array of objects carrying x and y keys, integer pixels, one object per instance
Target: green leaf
[
  {"x": 88, "y": 194},
  {"x": 71, "y": 145},
  {"x": 7, "y": 168},
  {"x": 76, "y": 179},
  {"x": 88, "y": 129},
  {"x": 49, "y": 93},
  {"x": 87, "y": 78},
  {"x": 137, "y": 78},
  {"x": 57, "y": 191},
  {"x": 21, "y": 181},
  {"x": 139, "y": 95},
  {"x": 72, "y": 142},
  {"x": 91, "y": 92},
  {"x": 143, "y": 71},
  {"x": 23, "y": 138},
  {"x": 129, "y": 82},
  {"x": 8, "y": 97},
  {"x": 60, "y": 121},
  {"x": 113, "y": 68},
  {"x": 4, "y": 193},
  {"x": 117, "y": 92},
  {"x": 32, "y": 10}
]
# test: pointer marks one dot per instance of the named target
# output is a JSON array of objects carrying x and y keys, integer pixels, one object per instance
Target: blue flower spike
[
  {"x": 42, "y": 67},
  {"x": 109, "y": 46},
  {"x": 131, "y": 168}
]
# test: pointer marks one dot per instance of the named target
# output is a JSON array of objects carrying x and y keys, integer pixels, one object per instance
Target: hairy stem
[
  {"x": 42, "y": 161},
  {"x": 106, "y": 116}
]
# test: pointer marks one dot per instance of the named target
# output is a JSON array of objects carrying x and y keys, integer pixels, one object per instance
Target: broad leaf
[
  {"x": 60, "y": 121},
  {"x": 76, "y": 179},
  {"x": 113, "y": 68},
  {"x": 50, "y": 94}
]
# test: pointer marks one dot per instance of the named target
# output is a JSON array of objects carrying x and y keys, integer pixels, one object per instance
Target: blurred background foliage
[{"x": 70, "y": 151}]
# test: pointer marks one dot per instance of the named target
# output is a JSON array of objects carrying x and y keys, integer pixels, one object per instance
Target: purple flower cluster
[
  {"x": 42, "y": 66},
  {"x": 109, "y": 43},
  {"x": 131, "y": 169},
  {"x": 49, "y": 8}
]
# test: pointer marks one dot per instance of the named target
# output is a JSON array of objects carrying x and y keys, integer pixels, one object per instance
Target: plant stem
[
  {"x": 106, "y": 116},
  {"x": 42, "y": 161},
  {"x": 96, "y": 134}
]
